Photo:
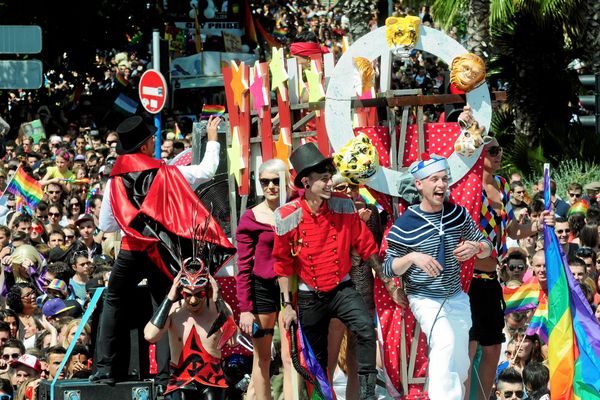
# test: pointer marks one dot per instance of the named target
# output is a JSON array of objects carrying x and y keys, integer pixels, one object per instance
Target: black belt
[{"x": 322, "y": 295}]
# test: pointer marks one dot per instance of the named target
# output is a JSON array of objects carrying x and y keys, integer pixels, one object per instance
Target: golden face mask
[
  {"x": 402, "y": 31},
  {"x": 468, "y": 72},
  {"x": 366, "y": 73},
  {"x": 358, "y": 160}
]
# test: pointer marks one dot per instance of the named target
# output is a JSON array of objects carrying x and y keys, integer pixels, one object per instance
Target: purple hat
[{"x": 53, "y": 307}]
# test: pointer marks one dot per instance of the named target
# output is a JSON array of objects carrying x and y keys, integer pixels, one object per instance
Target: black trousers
[
  {"x": 315, "y": 312},
  {"x": 120, "y": 302}
]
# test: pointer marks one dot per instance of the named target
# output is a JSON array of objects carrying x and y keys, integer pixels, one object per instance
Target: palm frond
[
  {"x": 501, "y": 11},
  {"x": 446, "y": 12}
]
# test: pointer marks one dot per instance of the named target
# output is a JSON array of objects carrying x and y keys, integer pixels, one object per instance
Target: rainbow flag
[
  {"x": 539, "y": 322},
  {"x": 88, "y": 199},
  {"x": 309, "y": 362},
  {"x": 280, "y": 31},
  {"x": 573, "y": 331},
  {"x": 177, "y": 132},
  {"x": 81, "y": 181},
  {"x": 209, "y": 110},
  {"x": 522, "y": 298},
  {"x": 24, "y": 186},
  {"x": 121, "y": 79}
]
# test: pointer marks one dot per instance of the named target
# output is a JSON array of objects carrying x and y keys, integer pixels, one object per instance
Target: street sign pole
[{"x": 156, "y": 66}]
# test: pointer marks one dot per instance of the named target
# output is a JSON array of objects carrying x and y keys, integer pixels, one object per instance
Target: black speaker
[{"x": 76, "y": 389}]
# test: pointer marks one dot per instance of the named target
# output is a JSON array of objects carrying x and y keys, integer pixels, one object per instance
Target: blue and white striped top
[{"x": 417, "y": 230}]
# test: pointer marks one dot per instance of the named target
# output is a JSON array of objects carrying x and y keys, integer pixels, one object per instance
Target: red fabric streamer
[{"x": 306, "y": 49}]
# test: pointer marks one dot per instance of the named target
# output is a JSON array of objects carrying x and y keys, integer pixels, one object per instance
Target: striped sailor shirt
[{"x": 438, "y": 235}]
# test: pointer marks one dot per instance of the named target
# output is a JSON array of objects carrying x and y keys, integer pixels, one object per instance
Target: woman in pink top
[{"x": 257, "y": 287}]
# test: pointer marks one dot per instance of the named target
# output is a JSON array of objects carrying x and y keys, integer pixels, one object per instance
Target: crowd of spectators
[{"x": 54, "y": 257}]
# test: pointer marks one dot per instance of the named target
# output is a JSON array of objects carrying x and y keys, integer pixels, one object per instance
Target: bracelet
[
  {"x": 288, "y": 303},
  {"x": 162, "y": 312},
  {"x": 284, "y": 301},
  {"x": 480, "y": 248}
]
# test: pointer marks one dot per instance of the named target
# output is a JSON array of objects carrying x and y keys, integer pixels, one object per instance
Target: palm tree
[
  {"x": 532, "y": 43},
  {"x": 478, "y": 32},
  {"x": 591, "y": 35}
]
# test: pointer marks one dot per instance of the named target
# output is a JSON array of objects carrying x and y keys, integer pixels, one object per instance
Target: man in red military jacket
[{"x": 315, "y": 237}]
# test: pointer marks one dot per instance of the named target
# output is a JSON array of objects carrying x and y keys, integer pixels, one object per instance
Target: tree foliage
[{"x": 532, "y": 44}]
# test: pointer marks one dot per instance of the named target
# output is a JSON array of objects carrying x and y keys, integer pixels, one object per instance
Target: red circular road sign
[{"x": 153, "y": 91}]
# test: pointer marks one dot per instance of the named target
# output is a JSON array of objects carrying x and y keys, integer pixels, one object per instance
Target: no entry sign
[{"x": 153, "y": 91}]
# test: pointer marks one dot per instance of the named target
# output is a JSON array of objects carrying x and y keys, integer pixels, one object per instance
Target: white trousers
[{"x": 448, "y": 342}]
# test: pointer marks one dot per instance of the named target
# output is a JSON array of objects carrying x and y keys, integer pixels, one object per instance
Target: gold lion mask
[
  {"x": 358, "y": 160},
  {"x": 402, "y": 31},
  {"x": 468, "y": 72}
]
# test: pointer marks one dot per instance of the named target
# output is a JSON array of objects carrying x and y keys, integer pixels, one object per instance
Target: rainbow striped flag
[
  {"x": 121, "y": 79},
  {"x": 573, "y": 331},
  {"x": 76, "y": 181},
  {"x": 309, "y": 362},
  {"x": 88, "y": 199},
  {"x": 177, "y": 132},
  {"x": 539, "y": 322},
  {"x": 212, "y": 110},
  {"x": 522, "y": 298},
  {"x": 24, "y": 186}
]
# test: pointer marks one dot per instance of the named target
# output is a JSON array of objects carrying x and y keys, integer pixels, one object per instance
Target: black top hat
[
  {"x": 133, "y": 132},
  {"x": 306, "y": 159}
]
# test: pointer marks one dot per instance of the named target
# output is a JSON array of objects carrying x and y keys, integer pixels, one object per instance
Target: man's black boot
[
  {"x": 367, "y": 386},
  {"x": 102, "y": 377}
]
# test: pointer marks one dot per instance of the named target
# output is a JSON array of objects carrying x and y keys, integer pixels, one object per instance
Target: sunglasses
[
  {"x": 519, "y": 267},
  {"x": 585, "y": 252},
  {"x": 54, "y": 192},
  {"x": 264, "y": 182},
  {"x": 509, "y": 393},
  {"x": 343, "y": 187},
  {"x": 494, "y": 150},
  {"x": 69, "y": 236},
  {"x": 111, "y": 142},
  {"x": 578, "y": 195},
  {"x": 561, "y": 231},
  {"x": 7, "y": 357}
]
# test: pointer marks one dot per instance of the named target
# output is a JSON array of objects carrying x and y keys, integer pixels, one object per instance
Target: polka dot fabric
[
  {"x": 228, "y": 291},
  {"x": 439, "y": 139}
]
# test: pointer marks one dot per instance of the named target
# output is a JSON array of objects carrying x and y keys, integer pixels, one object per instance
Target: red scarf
[{"x": 306, "y": 49}]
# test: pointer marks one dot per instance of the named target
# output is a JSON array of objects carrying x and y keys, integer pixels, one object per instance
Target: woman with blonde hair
[
  {"x": 257, "y": 286},
  {"x": 71, "y": 329}
]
